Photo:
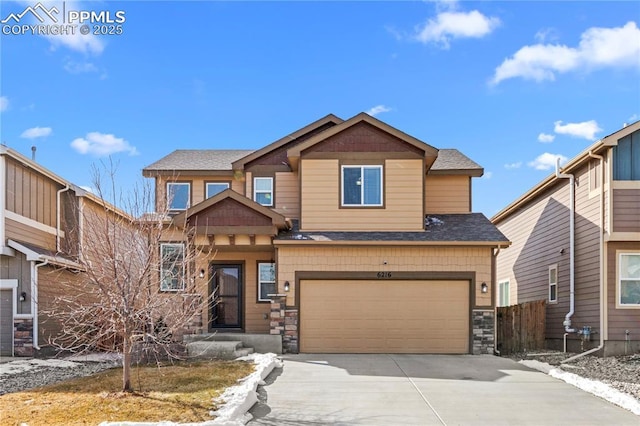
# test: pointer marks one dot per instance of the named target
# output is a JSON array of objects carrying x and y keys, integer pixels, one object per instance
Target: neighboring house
[
  {"x": 602, "y": 258},
  {"x": 41, "y": 231},
  {"x": 344, "y": 236}
]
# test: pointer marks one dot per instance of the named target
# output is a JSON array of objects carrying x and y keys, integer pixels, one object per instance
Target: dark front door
[{"x": 226, "y": 286}]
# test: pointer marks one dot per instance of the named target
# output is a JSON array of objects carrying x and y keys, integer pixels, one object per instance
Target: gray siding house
[{"x": 576, "y": 244}]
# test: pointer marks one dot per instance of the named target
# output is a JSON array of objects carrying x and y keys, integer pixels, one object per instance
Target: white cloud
[
  {"x": 546, "y": 161},
  {"x": 546, "y": 34},
  {"x": 487, "y": 175},
  {"x": 101, "y": 144},
  {"x": 511, "y": 166},
  {"x": 545, "y": 138},
  {"x": 80, "y": 43},
  {"x": 585, "y": 130},
  {"x": 79, "y": 67},
  {"x": 598, "y": 48},
  {"x": 378, "y": 109},
  {"x": 4, "y": 103},
  {"x": 450, "y": 25},
  {"x": 633, "y": 118},
  {"x": 36, "y": 132}
]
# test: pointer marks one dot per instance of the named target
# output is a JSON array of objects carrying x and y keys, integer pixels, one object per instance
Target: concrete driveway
[{"x": 424, "y": 390}]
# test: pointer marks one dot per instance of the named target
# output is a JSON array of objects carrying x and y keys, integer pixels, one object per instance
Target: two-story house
[
  {"x": 41, "y": 239},
  {"x": 345, "y": 236},
  {"x": 576, "y": 244}
]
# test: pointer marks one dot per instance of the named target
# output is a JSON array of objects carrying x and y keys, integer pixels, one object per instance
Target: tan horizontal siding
[
  {"x": 447, "y": 194},
  {"x": 21, "y": 232},
  {"x": 406, "y": 259},
  {"x": 539, "y": 231},
  {"x": 198, "y": 186},
  {"x": 287, "y": 194},
  {"x": 320, "y": 202},
  {"x": 626, "y": 210}
]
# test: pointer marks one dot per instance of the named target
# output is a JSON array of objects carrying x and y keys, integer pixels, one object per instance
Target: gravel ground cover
[
  {"x": 621, "y": 372},
  {"x": 35, "y": 373}
]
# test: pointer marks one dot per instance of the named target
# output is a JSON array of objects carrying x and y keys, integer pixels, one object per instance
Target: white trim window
[
  {"x": 172, "y": 267},
  {"x": 553, "y": 284},
  {"x": 629, "y": 279},
  {"x": 178, "y": 195},
  {"x": 266, "y": 281},
  {"x": 362, "y": 186},
  {"x": 213, "y": 188},
  {"x": 503, "y": 293},
  {"x": 263, "y": 191}
]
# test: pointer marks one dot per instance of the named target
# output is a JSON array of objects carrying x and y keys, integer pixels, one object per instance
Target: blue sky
[{"x": 510, "y": 84}]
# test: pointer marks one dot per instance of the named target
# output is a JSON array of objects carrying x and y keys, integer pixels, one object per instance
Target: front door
[{"x": 226, "y": 286}]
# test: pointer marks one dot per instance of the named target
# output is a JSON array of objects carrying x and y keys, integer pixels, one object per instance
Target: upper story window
[
  {"x": 213, "y": 188},
  {"x": 178, "y": 195},
  {"x": 172, "y": 269},
  {"x": 629, "y": 279},
  {"x": 362, "y": 185},
  {"x": 553, "y": 284},
  {"x": 626, "y": 158},
  {"x": 263, "y": 191}
]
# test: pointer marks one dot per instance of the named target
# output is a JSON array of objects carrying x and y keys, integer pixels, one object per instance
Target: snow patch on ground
[
  {"x": 95, "y": 357},
  {"x": 237, "y": 399},
  {"x": 599, "y": 389}
]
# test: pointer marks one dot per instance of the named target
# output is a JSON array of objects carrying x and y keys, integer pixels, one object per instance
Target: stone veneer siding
[
  {"x": 23, "y": 337},
  {"x": 483, "y": 332},
  {"x": 284, "y": 322}
]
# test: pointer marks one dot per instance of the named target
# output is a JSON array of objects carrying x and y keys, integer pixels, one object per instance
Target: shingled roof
[
  {"x": 448, "y": 161},
  {"x": 197, "y": 159},
  {"x": 453, "y": 160},
  {"x": 467, "y": 227}
]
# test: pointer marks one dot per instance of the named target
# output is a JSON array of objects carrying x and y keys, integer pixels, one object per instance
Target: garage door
[
  {"x": 357, "y": 316},
  {"x": 6, "y": 322}
]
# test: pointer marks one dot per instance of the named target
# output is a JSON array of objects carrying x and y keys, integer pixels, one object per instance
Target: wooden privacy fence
[{"x": 520, "y": 328}]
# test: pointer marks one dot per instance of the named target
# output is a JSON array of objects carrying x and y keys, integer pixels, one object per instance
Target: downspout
[
  {"x": 493, "y": 289},
  {"x": 602, "y": 292},
  {"x": 58, "y": 216},
  {"x": 34, "y": 300},
  {"x": 572, "y": 237}
]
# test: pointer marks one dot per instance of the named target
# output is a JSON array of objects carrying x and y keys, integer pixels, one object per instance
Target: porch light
[
  {"x": 484, "y": 287},
  {"x": 23, "y": 296},
  {"x": 286, "y": 286},
  {"x": 201, "y": 273}
]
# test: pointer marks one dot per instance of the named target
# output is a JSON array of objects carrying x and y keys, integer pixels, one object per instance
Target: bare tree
[{"x": 133, "y": 289}]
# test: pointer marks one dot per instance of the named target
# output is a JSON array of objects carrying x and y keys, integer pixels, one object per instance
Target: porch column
[{"x": 284, "y": 322}]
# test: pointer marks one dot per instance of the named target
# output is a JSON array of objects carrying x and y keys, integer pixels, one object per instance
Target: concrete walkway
[{"x": 424, "y": 390}]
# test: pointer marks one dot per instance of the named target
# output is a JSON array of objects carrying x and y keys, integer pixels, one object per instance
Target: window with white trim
[
  {"x": 263, "y": 191},
  {"x": 629, "y": 279},
  {"x": 553, "y": 284},
  {"x": 266, "y": 281},
  {"x": 503, "y": 293},
  {"x": 362, "y": 186},
  {"x": 214, "y": 188},
  {"x": 178, "y": 195},
  {"x": 172, "y": 269}
]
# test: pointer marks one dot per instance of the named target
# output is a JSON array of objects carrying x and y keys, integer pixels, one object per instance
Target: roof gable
[
  {"x": 274, "y": 154},
  {"x": 357, "y": 127},
  {"x": 231, "y": 212}
]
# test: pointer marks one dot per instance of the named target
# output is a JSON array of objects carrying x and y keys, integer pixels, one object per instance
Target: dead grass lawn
[{"x": 178, "y": 393}]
